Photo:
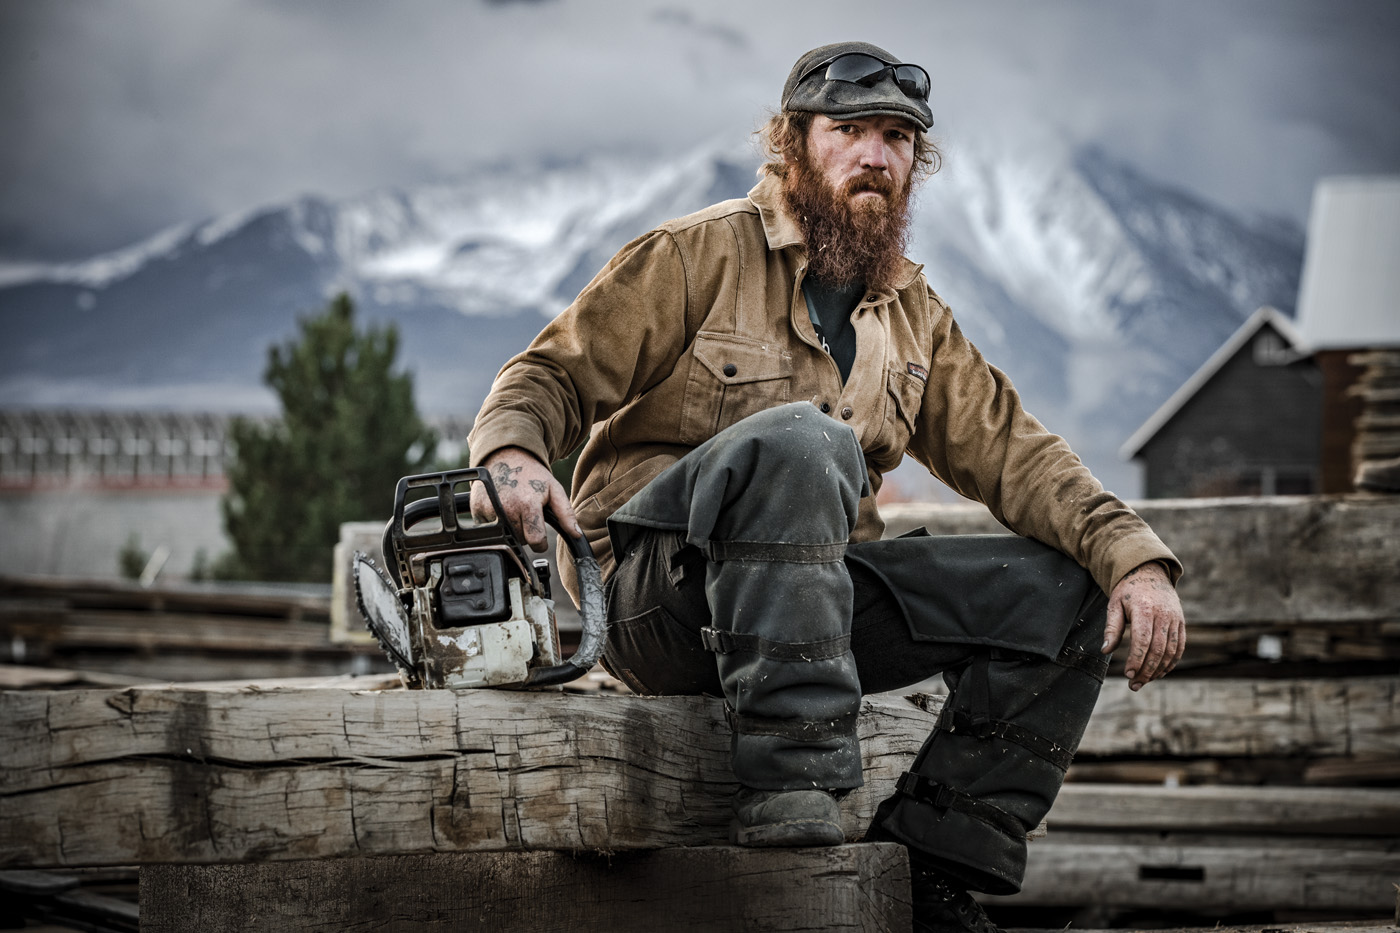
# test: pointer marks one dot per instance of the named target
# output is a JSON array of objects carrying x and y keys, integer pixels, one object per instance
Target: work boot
[
  {"x": 788, "y": 818},
  {"x": 942, "y": 904}
]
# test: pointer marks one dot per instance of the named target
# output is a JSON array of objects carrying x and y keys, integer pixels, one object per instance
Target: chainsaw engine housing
[{"x": 475, "y": 611}]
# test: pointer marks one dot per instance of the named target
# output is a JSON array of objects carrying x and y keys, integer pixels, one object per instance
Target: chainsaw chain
[{"x": 409, "y": 676}]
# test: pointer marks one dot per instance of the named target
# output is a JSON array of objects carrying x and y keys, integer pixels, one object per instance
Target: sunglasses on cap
[{"x": 868, "y": 71}]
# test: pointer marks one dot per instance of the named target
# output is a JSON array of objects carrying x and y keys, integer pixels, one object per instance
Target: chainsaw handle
[
  {"x": 448, "y": 505},
  {"x": 591, "y": 608}
]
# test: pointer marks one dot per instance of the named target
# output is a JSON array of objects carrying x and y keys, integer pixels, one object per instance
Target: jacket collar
[{"x": 782, "y": 231}]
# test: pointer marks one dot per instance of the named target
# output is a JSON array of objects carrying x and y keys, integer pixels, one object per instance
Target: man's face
[
  {"x": 849, "y": 193},
  {"x": 873, "y": 155}
]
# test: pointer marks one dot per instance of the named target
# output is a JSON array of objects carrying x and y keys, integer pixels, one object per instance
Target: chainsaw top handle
[{"x": 453, "y": 533}]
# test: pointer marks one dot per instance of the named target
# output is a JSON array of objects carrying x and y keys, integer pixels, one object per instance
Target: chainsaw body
[{"x": 466, "y": 606}]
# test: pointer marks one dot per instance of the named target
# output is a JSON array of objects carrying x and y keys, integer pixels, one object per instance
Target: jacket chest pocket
[
  {"x": 730, "y": 378},
  {"x": 904, "y": 398}
]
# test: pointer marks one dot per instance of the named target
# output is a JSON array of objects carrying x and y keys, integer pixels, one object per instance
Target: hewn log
[
  {"x": 230, "y": 772},
  {"x": 1269, "y": 559},
  {"x": 213, "y": 773},
  {"x": 843, "y": 888},
  {"x": 1197, "y": 718},
  {"x": 1263, "y": 810},
  {"x": 1184, "y": 718},
  {"x": 1231, "y": 873},
  {"x": 183, "y": 774}
]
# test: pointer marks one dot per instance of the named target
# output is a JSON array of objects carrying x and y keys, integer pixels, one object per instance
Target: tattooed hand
[
  {"x": 1146, "y": 600},
  {"x": 525, "y": 486}
]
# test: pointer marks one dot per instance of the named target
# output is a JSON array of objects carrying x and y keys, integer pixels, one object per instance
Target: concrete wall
[{"x": 79, "y": 532}]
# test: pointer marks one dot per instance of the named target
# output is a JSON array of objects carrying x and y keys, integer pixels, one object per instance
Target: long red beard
[{"x": 846, "y": 242}]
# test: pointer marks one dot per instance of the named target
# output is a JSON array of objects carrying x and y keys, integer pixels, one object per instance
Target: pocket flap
[{"x": 734, "y": 360}]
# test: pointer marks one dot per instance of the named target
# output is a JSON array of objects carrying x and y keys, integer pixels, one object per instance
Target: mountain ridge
[{"x": 1099, "y": 290}]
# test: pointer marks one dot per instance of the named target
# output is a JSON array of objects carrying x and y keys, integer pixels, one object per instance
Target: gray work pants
[{"x": 734, "y": 579}]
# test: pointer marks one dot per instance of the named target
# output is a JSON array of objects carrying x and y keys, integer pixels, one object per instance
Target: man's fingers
[
  {"x": 1140, "y": 635},
  {"x": 1113, "y": 630},
  {"x": 532, "y": 524},
  {"x": 482, "y": 512},
  {"x": 1152, "y": 661},
  {"x": 563, "y": 510}
]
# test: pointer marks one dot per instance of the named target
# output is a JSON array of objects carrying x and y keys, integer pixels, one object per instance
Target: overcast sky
[{"x": 121, "y": 117}]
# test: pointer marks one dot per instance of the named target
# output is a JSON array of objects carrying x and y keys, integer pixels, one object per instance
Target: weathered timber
[
  {"x": 223, "y": 774},
  {"x": 1368, "y": 770},
  {"x": 1262, "y": 810},
  {"x": 1275, "y": 559},
  {"x": 250, "y": 600},
  {"x": 1211, "y": 872},
  {"x": 174, "y": 632},
  {"x": 844, "y": 888},
  {"x": 1186, "y": 718},
  {"x": 23, "y": 677}
]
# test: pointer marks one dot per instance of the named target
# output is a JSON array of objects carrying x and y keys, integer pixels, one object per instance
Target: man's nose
[{"x": 873, "y": 154}]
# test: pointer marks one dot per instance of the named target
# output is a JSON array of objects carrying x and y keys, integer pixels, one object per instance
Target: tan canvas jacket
[{"x": 702, "y": 322}]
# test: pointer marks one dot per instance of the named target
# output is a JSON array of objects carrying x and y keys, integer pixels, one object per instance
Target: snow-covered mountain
[{"x": 1099, "y": 290}]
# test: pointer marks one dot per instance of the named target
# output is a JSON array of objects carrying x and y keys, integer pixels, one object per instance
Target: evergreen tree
[{"x": 349, "y": 429}]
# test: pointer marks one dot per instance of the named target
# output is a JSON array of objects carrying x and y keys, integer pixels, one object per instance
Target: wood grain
[
  {"x": 841, "y": 888},
  {"x": 1266, "y": 559},
  {"x": 228, "y": 773}
]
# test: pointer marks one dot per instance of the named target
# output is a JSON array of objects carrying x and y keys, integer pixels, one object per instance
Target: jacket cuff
[
  {"x": 506, "y": 429},
  {"x": 1131, "y": 552}
]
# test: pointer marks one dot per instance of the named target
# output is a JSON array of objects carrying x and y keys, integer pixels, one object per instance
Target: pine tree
[{"x": 349, "y": 429}]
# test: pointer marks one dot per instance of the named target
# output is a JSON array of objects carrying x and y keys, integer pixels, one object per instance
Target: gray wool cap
[{"x": 844, "y": 99}]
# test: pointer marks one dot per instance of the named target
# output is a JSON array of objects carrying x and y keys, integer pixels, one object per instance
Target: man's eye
[{"x": 846, "y": 128}]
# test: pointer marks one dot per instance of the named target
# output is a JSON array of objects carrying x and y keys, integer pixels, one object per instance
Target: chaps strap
[
  {"x": 917, "y": 787},
  {"x": 722, "y": 642},
  {"x": 959, "y": 722}
]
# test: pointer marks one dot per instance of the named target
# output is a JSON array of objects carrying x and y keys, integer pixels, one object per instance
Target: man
[{"x": 743, "y": 377}]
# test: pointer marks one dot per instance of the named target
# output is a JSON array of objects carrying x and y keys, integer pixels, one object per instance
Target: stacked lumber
[
  {"x": 172, "y": 633},
  {"x": 1264, "y": 773},
  {"x": 1376, "y": 449},
  {"x": 1247, "y": 781}
]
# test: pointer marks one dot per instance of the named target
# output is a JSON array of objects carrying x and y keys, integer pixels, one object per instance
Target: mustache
[{"x": 878, "y": 182}]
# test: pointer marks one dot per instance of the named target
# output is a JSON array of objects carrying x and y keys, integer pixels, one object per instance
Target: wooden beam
[
  {"x": 842, "y": 888},
  {"x": 1185, "y": 718},
  {"x": 227, "y": 774},
  {"x": 1262, "y": 810},
  {"x": 1209, "y": 873},
  {"x": 1266, "y": 559}
]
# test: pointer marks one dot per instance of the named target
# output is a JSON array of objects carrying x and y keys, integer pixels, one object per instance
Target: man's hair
[{"x": 784, "y": 138}]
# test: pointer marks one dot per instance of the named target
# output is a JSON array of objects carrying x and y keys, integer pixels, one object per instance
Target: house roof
[
  {"x": 1349, "y": 296},
  {"x": 1209, "y": 368}
]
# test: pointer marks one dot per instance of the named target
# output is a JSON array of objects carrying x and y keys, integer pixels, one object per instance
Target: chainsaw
[{"x": 463, "y": 605}]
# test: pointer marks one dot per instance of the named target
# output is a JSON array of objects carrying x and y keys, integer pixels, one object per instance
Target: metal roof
[{"x": 1349, "y": 296}]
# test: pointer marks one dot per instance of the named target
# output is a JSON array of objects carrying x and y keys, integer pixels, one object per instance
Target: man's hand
[
  {"x": 525, "y": 486},
  {"x": 1146, "y": 600}
]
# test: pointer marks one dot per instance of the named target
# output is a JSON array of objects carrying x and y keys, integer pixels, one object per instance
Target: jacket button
[
  {"x": 730, "y": 369},
  {"x": 847, "y": 414},
  {"x": 826, "y": 408}
]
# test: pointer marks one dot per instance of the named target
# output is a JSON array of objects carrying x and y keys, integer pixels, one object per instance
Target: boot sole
[{"x": 787, "y": 834}]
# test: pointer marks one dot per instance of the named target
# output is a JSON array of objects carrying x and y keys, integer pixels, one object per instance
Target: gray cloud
[{"x": 123, "y": 118}]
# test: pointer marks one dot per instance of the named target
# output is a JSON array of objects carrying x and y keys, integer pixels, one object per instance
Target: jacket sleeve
[
  {"x": 625, "y": 331},
  {"x": 973, "y": 434}
]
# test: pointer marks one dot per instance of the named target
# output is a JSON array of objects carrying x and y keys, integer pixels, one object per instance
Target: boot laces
[{"x": 938, "y": 891}]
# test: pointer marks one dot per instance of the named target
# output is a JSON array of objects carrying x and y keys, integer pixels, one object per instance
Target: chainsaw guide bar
[{"x": 384, "y": 614}]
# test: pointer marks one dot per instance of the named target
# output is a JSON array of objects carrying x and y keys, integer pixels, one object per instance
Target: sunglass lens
[
  {"x": 867, "y": 70},
  {"x": 913, "y": 81},
  {"x": 856, "y": 68}
]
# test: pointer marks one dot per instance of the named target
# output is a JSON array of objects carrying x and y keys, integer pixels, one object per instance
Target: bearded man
[{"x": 741, "y": 379}]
